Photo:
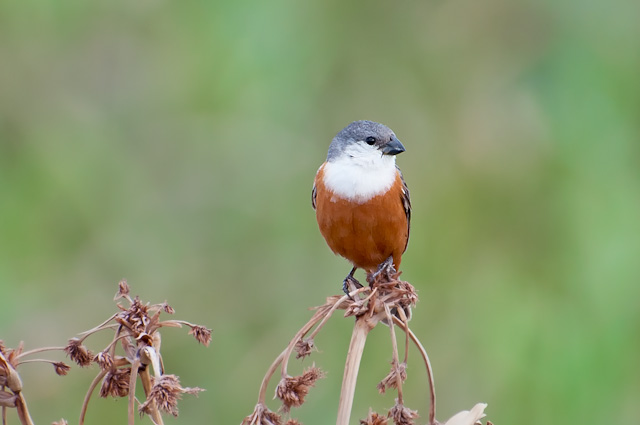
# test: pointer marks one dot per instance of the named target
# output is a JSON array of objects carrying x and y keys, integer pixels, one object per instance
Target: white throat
[{"x": 360, "y": 173}]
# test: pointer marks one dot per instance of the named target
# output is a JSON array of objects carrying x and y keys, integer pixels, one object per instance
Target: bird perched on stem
[{"x": 362, "y": 203}]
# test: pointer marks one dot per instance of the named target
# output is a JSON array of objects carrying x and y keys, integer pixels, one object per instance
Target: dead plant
[
  {"x": 136, "y": 329},
  {"x": 386, "y": 300}
]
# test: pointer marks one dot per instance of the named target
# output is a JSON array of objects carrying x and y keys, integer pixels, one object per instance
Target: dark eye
[{"x": 370, "y": 140}]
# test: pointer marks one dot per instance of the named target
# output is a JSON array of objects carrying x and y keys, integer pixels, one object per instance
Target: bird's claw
[
  {"x": 385, "y": 269},
  {"x": 350, "y": 284}
]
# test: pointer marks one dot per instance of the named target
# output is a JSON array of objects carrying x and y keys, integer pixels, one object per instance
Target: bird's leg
[{"x": 350, "y": 281}]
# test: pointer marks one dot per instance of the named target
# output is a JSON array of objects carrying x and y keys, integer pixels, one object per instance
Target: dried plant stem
[
  {"x": 116, "y": 337},
  {"x": 100, "y": 326},
  {"x": 36, "y": 361},
  {"x": 11, "y": 379},
  {"x": 327, "y": 316},
  {"x": 177, "y": 323},
  {"x": 405, "y": 328},
  {"x": 23, "y": 412},
  {"x": 317, "y": 316},
  {"x": 337, "y": 304},
  {"x": 321, "y": 313},
  {"x": 425, "y": 357},
  {"x": 132, "y": 391},
  {"x": 85, "y": 403},
  {"x": 262, "y": 396},
  {"x": 39, "y": 350},
  {"x": 395, "y": 358},
  {"x": 361, "y": 329}
]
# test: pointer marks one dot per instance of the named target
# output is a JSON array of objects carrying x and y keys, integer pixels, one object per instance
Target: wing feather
[
  {"x": 406, "y": 203},
  {"x": 314, "y": 193}
]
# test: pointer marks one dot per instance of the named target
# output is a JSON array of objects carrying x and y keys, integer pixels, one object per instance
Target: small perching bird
[{"x": 362, "y": 203}]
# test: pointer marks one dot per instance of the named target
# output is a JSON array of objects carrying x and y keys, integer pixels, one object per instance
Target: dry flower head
[
  {"x": 135, "y": 329},
  {"x": 165, "y": 393},
  {"x": 201, "y": 334},
  {"x": 402, "y": 415},
  {"x": 116, "y": 383},
  {"x": 104, "y": 360},
  {"x": 262, "y": 416},
  {"x": 61, "y": 368},
  {"x": 136, "y": 317},
  {"x": 374, "y": 419},
  {"x": 123, "y": 290},
  {"x": 293, "y": 389},
  {"x": 391, "y": 380},
  {"x": 78, "y": 352},
  {"x": 304, "y": 347}
]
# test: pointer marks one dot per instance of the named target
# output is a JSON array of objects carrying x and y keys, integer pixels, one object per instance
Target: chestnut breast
[{"x": 365, "y": 233}]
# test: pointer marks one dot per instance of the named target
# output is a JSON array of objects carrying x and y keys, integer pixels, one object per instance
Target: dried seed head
[
  {"x": 262, "y": 416},
  {"x": 123, "y": 290},
  {"x": 78, "y": 352},
  {"x": 304, "y": 347},
  {"x": 104, "y": 360},
  {"x": 154, "y": 321},
  {"x": 165, "y": 393},
  {"x": 116, "y": 383},
  {"x": 136, "y": 316},
  {"x": 406, "y": 294},
  {"x": 271, "y": 418},
  {"x": 61, "y": 368},
  {"x": 167, "y": 308},
  {"x": 293, "y": 422},
  {"x": 391, "y": 380},
  {"x": 374, "y": 419},
  {"x": 292, "y": 390},
  {"x": 402, "y": 415},
  {"x": 201, "y": 334}
]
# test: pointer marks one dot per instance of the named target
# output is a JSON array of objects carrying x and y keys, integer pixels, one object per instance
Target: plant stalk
[
  {"x": 361, "y": 329},
  {"x": 430, "y": 380}
]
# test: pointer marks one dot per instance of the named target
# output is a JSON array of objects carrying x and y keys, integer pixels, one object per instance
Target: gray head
[{"x": 366, "y": 137}]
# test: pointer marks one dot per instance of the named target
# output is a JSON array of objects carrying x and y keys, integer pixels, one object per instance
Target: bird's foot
[
  {"x": 386, "y": 272},
  {"x": 350, "y": 284}
]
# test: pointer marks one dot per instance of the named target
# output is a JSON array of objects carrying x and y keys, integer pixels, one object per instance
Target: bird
[{"x": 362, "y": 203}]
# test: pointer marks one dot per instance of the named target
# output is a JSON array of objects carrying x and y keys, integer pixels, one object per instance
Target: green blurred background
[{"x": 175, "y": 143}]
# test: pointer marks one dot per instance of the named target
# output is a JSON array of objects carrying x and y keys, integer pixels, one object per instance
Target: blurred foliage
[{"x": 174, "y": 144}]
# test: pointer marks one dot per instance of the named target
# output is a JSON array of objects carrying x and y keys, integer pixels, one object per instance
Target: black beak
[{"x": 394, "y": 147}]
